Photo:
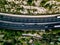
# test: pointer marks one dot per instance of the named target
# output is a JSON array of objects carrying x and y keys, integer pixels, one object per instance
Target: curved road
[{"x": 19, "y": 22}]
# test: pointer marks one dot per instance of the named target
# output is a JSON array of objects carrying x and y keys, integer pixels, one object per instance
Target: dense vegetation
[
  {"x": 14, "y": 37},
  {"x": 30, "y": 6}
]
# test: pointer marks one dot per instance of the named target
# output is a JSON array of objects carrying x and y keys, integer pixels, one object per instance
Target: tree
[{"x": 29, "y": 2}]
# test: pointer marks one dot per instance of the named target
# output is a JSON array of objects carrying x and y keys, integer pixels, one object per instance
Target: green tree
[{"x": 29, "y": 2}]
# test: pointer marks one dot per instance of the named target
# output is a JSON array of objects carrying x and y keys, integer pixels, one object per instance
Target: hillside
[{"x": 34, "y": 7}]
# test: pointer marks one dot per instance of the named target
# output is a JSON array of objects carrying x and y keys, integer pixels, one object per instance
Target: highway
[{"x": 20, "y": 22}]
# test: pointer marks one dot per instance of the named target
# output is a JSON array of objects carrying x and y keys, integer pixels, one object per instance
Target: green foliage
[
  {"x": 43, "y": 2},
  {"x": 29, "y": 2},
  {"x": 13, "y": 37},
  {"x": 3, "y": 2}
]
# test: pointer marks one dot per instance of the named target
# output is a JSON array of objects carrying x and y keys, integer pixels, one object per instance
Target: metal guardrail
[{"x": 15, "y": 15}]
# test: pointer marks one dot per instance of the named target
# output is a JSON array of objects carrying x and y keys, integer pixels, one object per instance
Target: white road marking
[
  {"x": 57, "y": 26},
  {"x": 28, "y": 23}
]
